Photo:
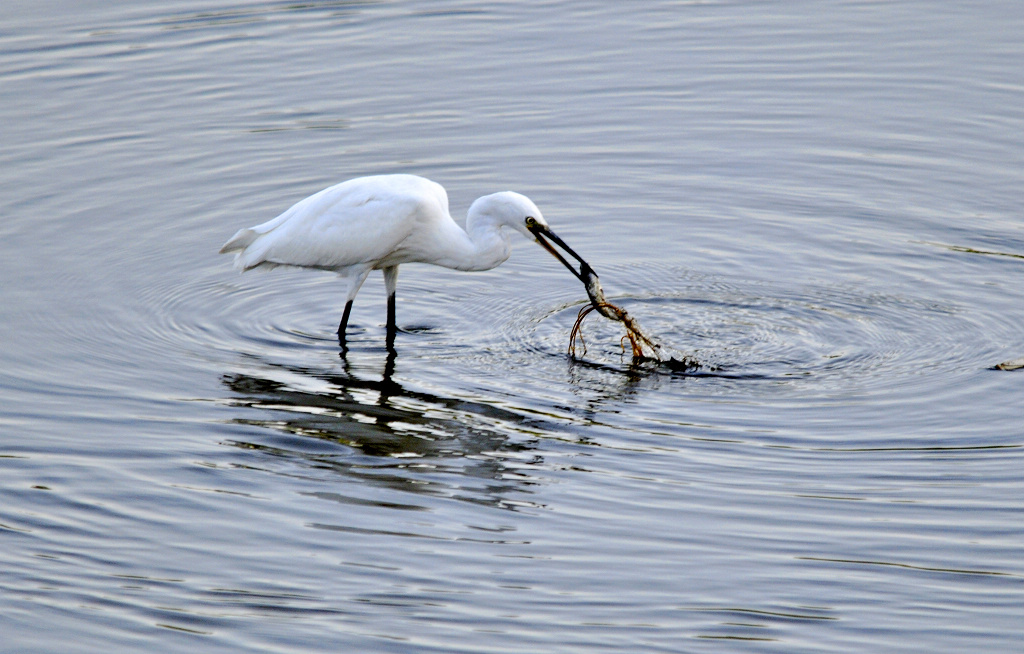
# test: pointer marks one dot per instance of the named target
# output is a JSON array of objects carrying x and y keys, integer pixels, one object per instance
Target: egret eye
[{"x": 530, "y": 221}]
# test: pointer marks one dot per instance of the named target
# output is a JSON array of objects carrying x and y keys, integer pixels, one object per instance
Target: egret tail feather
[{"x": 242, "y": 239}]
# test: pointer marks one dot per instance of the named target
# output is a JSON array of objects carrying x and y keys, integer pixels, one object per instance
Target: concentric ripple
[
  {"x": 818, "y": 337},
  {"x": 235, "y": 314},
  {"x": 823, "y": 337}
]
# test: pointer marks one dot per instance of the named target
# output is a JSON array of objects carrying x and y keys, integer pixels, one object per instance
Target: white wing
[{"x": 361, "y": 221}]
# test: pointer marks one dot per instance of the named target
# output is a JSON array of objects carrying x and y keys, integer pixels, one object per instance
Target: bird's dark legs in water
[
  {"x": 344, "y": 323},
  {"x": 391, "y": 283},
  {"x": 392, "y": 327}
]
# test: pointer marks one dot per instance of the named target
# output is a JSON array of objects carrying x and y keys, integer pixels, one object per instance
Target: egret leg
[
  {"x": 392, "y": 327},
  {"x": 391, "y": 283},
  {"x": 344, "y": 322},
  {"x": 355, "y": 278}
]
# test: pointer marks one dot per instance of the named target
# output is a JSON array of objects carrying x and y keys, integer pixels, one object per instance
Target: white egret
[{"x": 382, "y": 221}]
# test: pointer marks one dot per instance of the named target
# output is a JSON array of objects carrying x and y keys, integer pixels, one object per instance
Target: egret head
[
  {"x": 508, "y": 209},
  {"x": 518, "y": 212}
]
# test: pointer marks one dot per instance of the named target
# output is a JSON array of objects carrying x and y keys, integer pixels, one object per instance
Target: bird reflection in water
[{"x": 380, "y": 431}]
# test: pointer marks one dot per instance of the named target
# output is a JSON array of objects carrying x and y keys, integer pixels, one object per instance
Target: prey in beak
[
  {"x": 640, "y": 342},
  {"x": 548, "y": 239}
]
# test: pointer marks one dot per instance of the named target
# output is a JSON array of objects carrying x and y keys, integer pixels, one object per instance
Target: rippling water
[{"x": 819, "y": 202}]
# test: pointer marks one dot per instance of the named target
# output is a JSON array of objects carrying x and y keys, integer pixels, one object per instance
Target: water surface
[{"x": 819, "y": 202}]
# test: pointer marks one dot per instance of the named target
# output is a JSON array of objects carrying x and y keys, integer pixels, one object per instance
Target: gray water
[{"x": 821, "y": 202}]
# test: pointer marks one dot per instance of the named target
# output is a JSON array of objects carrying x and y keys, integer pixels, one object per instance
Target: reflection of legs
[{"x": 391, "y": 283}]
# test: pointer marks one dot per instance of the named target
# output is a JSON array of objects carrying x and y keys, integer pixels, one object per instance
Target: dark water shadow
[
  {"x": 376, "y": 429},
  {"x": 634, "y": 369}
]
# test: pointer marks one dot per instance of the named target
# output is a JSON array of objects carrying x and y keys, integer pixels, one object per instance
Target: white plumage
[{"x": 379, "y": 222}]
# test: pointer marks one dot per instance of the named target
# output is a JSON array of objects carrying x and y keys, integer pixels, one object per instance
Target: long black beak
[{"x": 546, "y": 237}]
